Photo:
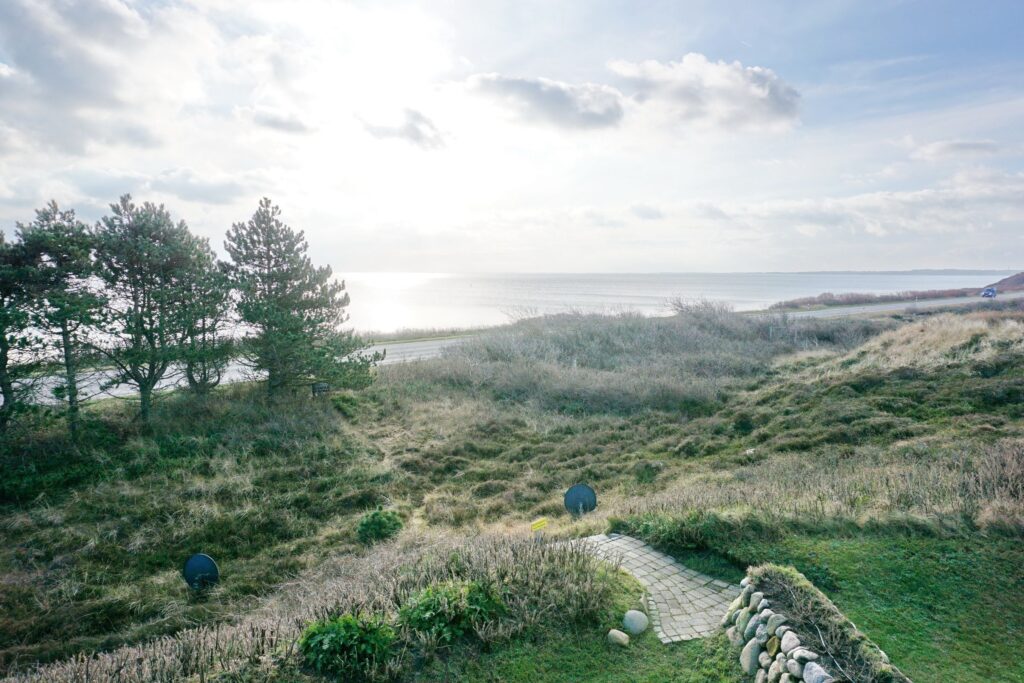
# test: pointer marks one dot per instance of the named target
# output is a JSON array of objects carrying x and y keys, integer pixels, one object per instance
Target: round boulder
[
  {"x": 617, "y": 637},
  {"x": 635, "y": 622}
]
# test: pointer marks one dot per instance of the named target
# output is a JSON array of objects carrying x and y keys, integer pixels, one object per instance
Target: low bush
[
  {"x": 379, "y": 525},
  {"x": 446, "y": 613},
  {"x": 352, "y": 646}
]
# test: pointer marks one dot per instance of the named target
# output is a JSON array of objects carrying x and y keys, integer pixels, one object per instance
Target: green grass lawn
[
  {"x": 582, "y": 655},
  {"x": 575, "y": 654},
  {"x": 939, "y": 607}
]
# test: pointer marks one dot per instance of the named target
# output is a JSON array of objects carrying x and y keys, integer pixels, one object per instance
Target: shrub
[
  {"x": 378, "y": 525},
  {"x": 350, "y": 646},
  {"x": 447, "y": 612}
]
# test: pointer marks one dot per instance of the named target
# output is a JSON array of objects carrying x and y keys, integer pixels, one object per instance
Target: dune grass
[{"x": 840, "y": 443}]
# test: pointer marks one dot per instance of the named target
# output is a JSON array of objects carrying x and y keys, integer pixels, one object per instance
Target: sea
[{"x": 389, "y": 302}]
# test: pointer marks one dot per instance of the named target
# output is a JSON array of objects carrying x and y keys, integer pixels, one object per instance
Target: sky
[{"x": 535, "y": 135}]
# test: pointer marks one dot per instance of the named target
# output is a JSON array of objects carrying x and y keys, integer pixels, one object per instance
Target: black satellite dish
[
  {"x": 580, "y": 499},
  {"x": 200, "y": 571}
]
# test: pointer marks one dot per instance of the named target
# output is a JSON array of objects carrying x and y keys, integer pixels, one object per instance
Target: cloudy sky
[{"x": 543, "y": 135}]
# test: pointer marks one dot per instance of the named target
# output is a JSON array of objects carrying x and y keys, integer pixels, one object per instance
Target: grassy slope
[{"x": 492, "y": 437}]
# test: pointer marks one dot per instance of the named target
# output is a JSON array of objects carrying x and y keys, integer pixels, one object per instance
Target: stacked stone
[{"x": 772, "y": 651}]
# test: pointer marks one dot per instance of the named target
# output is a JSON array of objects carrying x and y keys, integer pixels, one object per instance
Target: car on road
[{"x": 989, "y": 293}]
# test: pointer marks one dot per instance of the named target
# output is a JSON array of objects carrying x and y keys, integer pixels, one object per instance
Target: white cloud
[
  {"x": 566, "y": 105},
  {"x": 979, "y": 202},
  {"x": 415, "y": 128},
  {"x": 955, "y": 149},
  {"x": 646, "y": 212},
  {"x": 275, "y": 119},
  {"x": 726, "y": 94}
]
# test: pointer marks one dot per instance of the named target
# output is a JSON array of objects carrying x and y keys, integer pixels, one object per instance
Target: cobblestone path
[{"x": 683, "y": 604}]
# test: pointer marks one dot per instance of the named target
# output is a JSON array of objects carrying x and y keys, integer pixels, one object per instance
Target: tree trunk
[
  {"x": 146, "y": 402},
  {"x": 6, "y": 385},
  {"x": 70, "y": 379}
]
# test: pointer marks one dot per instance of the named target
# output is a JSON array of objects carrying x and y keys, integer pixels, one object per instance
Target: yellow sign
[{"x": 539, "y": 524}]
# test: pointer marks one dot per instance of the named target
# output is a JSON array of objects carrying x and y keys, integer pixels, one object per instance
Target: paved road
[
  {"x": 897, "y": 306},
  {"x": 398, "y": 352}
]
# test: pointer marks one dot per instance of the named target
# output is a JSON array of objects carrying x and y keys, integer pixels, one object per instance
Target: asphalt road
[{"x": 398, "y": 352}]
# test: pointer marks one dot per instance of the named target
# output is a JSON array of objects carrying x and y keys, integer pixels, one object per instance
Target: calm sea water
[{"x": 385, "y": 302}]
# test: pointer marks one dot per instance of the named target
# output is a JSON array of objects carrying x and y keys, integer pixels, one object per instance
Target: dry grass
[
  {"x": 937, "y": 342},
  {"x": 926, "y": 480},
  {"x": 542, "y": 583}
]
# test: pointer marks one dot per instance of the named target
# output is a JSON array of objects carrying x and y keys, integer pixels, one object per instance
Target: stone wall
[
  {"x": 772, "y": 651},
  {"x": 789, "y": 631}
]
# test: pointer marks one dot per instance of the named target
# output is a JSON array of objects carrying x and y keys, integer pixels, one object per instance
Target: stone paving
[{"x": 683, "y": 604}]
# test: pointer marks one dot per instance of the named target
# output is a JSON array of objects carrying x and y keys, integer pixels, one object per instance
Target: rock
[
  {"x": 782, "y": 629},
  {"x": 789, "y": 642},
  {"x": 763, "y": 605},
  {"x": 751, "y": 629},
  {"x": 635, "y": 622},
  {"x": 765, "y": 660},
  {"x": 755, "y": 600},
  {"x": 796, "y": 669},
  {"x": 782, "y": 659},
  {"x": 775, "y": 672},
  {"x": 745, "y": 594},
  {"x": 734, "y": 637},
  {"x": 803, "y": 655},
  {"x": 761, "y": 676},
  {"x": 617, "y": 637},
  {"x": 786, "y": 678},
  {"x": 730, "y": 614},
  {"x": 761, "y": 634},
  {"x": 775, "y": 621},
  {"x": 742, "y": 620},
  {"x": 745, "y": 582},
  {"x": 773, "y": 646},
  {"x": 748, "y": 657},
  {"x": 813, "y": 673}
]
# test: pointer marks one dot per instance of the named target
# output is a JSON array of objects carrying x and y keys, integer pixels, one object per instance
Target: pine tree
[
  {"x": 208, "y": 345},
  {"x": 65, "y": 305},
  {"x": 294, "y": 309},
  {"x": 20, "y": 346},
  {"x": 148, "y": 265}
]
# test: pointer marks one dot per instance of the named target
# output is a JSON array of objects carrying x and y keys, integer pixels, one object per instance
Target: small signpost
[
  {"x": 580, "y": 499},
  {"x": 200, "y": 571},
  {"x": 539, "y": 524}
]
